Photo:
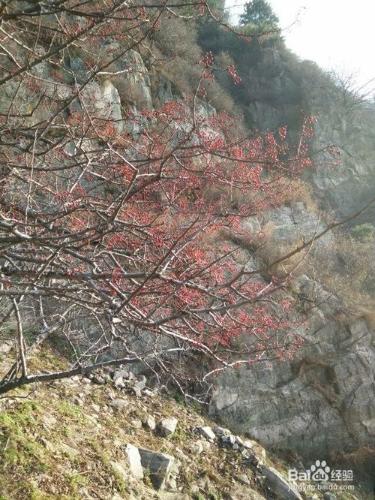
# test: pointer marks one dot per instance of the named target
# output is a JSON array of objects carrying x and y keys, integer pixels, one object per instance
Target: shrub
[{"x": 364, "y": 232}]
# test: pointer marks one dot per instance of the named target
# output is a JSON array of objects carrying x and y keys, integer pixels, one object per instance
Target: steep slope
[{"x": 79, "y": 439}]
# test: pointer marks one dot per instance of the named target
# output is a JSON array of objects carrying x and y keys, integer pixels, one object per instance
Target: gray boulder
[
  {"x": 278, "y": 485},
  {"x": 167, "y": 426},
  {"x": 158, "y": 465},
  {"x": 149, "y": 422},
  {"x": 206, "y": 432}
]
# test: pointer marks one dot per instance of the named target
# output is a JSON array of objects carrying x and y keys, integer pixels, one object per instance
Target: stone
[
  {"x": 102, "y": 100},
  {"x": 278, "y": 485},
  {"x": 99, "y": 380},
  {"x": 119, "y": 383},
  {"x": 78, "y": 69},
  {"x": 221, "y": 431},
  {"x": 119, "y": 404},
  {"x": 180, "y": 454},
  {"x": 158, "y": 465},
  {"x": 119, "y": 377},
  {"x": 139, "y": 385},
  {"x": 129, "y": 75},
  {"x": 206, "y": 432},
  {"x": 149, "y": 393},
  {"x": 124, "y": 374},
  {"x": 250, "y": 458},
  {"x": 197, "y": 448},
  {"x": 134, "y": 460},
  {"x": 243, "y": 478},
  {"x": 229, "y": 442},
  {"x": 149, "y": 422},
  {"x": 136, "y": 424},
  {"x": 248, "y": 444},
  {"x": 167, "y": 426}
]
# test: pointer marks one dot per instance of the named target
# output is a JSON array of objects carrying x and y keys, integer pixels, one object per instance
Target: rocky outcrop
[
  {"x": 322, "y": 401},
  {"x": 346, "y": 122},
  {"x": 102, "y": 102},
  {"x": 128, "y": 74},
  {"x": 280, "y": 86}
]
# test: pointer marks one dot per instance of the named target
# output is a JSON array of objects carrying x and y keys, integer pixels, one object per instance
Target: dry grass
[
  {"x": 295, "y": 189},
  {"x": 349, "y": 271}
]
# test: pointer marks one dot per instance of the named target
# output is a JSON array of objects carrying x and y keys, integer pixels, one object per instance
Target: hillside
[
  {"x": 70, "y": 439},
  {"x": 190, "y": 203}
]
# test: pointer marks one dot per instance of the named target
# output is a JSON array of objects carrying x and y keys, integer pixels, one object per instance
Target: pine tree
[{"x": 258, "y": 12}]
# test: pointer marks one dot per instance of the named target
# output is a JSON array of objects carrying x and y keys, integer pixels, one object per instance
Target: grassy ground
[{"x": 63, "y": 440}]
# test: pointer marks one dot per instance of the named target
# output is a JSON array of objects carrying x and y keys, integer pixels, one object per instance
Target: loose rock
[
  {"x": 159, "y": 466},
  {"x": 119, "y": 404},
  {"x": 278, "y": 485},
  {"x": 149, "y": 422},
  {"x": 134, "y": 460},
  {"x": 167, "y": 426},
  {"x": 206, "y": 432}
]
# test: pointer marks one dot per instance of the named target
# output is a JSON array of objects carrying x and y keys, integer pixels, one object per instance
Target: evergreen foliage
[{"x": 258, "y": 12}]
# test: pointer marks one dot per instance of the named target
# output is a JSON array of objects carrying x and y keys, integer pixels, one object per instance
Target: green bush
[{"x": 363, "y": 232}]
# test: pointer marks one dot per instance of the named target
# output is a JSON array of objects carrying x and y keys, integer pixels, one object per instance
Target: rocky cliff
[{"x": 322, "y": 401}]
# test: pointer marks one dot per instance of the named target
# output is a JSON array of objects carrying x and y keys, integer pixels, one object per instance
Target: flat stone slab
[{"x": 159, "y": 466}]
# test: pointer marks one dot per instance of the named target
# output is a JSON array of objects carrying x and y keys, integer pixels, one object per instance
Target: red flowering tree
[{"x": 112, "y": 240}]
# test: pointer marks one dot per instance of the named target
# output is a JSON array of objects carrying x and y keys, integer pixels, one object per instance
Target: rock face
[
  {"x": 129, "y": 75},
  {"x": 103, "y": 102},
  {"x": 292, "y": 223},
  {"x": 321, "y": 402},
  {"x": 346, "y": 188},
  {"x": 280, "y": 87},
  {"x": 324, "y": 399}
]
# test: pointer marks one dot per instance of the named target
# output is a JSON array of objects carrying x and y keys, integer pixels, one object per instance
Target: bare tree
[{"x": 111, "y": 219}]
